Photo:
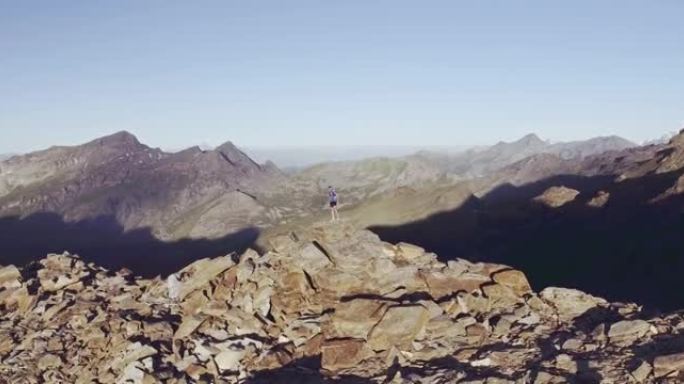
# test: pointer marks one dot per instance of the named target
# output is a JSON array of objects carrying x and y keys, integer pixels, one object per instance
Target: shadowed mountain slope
[
  {"x": 103, "y": 241},
  {"x": 192, "y": 193},
  {"x": 609, "y": 224},
  {"x": 617, "y": 240}
]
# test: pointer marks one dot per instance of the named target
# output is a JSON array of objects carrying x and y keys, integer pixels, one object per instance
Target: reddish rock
[{"x": 342, "y": 354}]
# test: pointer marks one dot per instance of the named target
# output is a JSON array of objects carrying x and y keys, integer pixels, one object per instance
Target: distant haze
[{"x": 297, "y": 157}]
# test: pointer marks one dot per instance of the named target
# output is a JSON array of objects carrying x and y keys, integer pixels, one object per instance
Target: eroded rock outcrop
[
  {"x": 331, "y": 302},
  {"x": 555, "y": 197}
]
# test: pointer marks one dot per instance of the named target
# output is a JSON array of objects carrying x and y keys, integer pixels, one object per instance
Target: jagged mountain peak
[
  {"x": 678, "y": 139},
  {"x": 531, "y": 139},
  {"x": 235, "y": 155},
  {"x": 119, "y": 138},
  {"x": 228, "y": 147}
]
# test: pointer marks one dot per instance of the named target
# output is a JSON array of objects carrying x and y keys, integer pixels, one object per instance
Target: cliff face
[{"x": 326, "y": 304}]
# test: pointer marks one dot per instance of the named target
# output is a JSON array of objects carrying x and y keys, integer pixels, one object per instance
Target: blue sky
[{"x": 296, "y": 73}]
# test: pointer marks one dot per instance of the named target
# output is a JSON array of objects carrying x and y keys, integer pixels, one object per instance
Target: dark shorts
[{"x": 333, "y": 204}]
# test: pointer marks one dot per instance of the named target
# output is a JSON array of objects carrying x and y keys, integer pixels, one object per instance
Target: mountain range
[
  {"x": 454, "y": 278},
  {"x": 482, "y": 161},
  {"x": 198, "y": 193},
  {"x": 188, "y": 193},
  {"x": 598, "y": 224}
]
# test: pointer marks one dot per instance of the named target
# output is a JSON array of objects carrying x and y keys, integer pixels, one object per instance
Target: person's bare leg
[
  {"x": 336, "y": 214},
  {"x": 332, "y": 214}
]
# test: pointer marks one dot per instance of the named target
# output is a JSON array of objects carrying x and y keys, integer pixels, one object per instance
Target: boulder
[
  {"x": 293, "y": 290},
  {"x": 188, "y": 325},
  {"x": 628, "y": 331},
  {"x": 355, "y": 318},
  {"x": 443, "y": 283},
  {"x": 570, "y": 303},
  {"x": 556, "y": 197},
  {"x": 229, "y": 360},
  {"x": 49, "y": 361},
  {"x": 668, "y": 365},
  {"x": 174, "y": 287},
  {"x": 399, "y": 327},
  {"x": 133, "y": 352},
  {"x": 312, "y": 258},
  {"x": 10, "y": 277},
  {"x": 515, "y": 280},
  {"x": 500, "y": 296},
  {"x": 642, "y": 372},
  {"x": 60, "y": 271},
  {"x": 410, "y": 252},
  {"x": 201, "y": 272},
  {"x": 342, "y": 354}
]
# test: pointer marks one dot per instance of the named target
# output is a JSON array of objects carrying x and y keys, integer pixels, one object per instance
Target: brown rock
[
  {"x": 342, "y": 354},
  {"x": 556, "y": 197},
  {"x": 668, "y": 365},
  {"x": 410, "y": 252},
  {"x": 188, "y": 326},
  {"x": 60, "y": 271},
  {"x": 355, "y": 318},
  {"x": 362, "y": 314},
  {"x": 201, "y": 272},
  {"x": 6, "y": 344},
  {"x": 399, "y": 327},
  {"x": 229, "y": 360},
  {"x": 628, "y": 331},
  {"x": 51, "y": 281},
  {"x": 133, "y": 352},
  {"x": 49, "y": 361},
  {"x": 500, "y": 296},
  {"x": 441, "y": 284},
  {"x": 513, "y": 279},
  {"x": 282, "y": 243},
  {"x": 642, "y": 372},
  {"x": 312, "y": 258},
  {"x": 10, "y": 277},
  {"x": 292, "y": 289},
  {"x": 17, "y": 299},
  {"x": 570, "y": 303}
]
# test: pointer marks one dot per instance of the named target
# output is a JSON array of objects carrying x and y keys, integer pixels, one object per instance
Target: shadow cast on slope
[
  {"x": 631, "y": 249},
  {"x": 303, "y": 371},
  {"x": 103, "y": 241}
]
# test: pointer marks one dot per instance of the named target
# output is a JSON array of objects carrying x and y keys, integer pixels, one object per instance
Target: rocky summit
[{"x": 330, "y": 304}]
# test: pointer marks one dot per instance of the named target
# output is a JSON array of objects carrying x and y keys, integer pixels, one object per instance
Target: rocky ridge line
[{"x": 329, "y": 304}]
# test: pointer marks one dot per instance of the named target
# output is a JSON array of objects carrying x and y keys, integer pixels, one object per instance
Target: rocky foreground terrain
[{"x": 330, "y": 304}]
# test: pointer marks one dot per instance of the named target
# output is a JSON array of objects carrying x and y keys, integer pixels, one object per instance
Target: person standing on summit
[{"x": 332, "y": 200}]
